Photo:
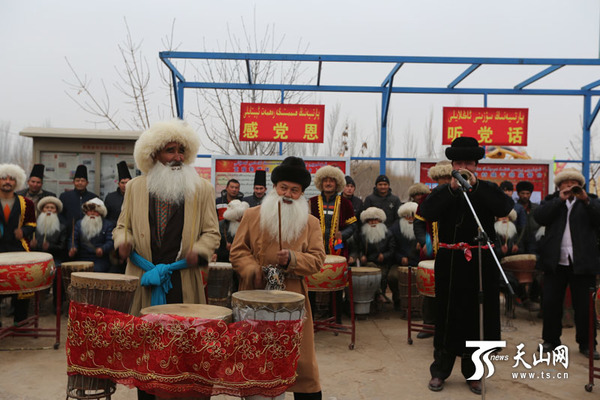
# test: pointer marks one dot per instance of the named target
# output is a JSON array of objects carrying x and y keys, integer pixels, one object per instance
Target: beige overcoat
[
  {"x": 253, "y": 248},
  {"x": 200, "y": 233}
]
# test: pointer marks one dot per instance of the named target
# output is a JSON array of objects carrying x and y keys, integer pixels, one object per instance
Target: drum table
[
  {"x": 113, "y": 291},
  {"x": 425, "y": 283},
  {"x": 333, "y": 277},
  {"x": 26, "y": 274}
]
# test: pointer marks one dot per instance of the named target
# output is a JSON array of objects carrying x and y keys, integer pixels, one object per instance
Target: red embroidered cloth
[{"x": 168, "y": 355}]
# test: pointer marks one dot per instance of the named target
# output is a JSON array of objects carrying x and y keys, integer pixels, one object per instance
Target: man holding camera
[{"x": 568, "y": 256}]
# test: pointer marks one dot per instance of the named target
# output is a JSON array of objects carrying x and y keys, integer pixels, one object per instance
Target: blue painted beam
[
  {"x": 395, "y": 89},
  {"x": 391, "y": 75},
  {"x": 591, "y": 85},
  {"x": 174, "y": 70},
  {"x": 462, "y": 76},
  {"x": 538, "y": 76},
  {"x": 319, "y": 73},
  {"x": 379, "y": 59}
]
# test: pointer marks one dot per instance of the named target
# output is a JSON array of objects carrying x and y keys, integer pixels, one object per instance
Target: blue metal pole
[
  {"x": 179, "y": 98},
  {"x": 385, "y": 100},
  {"x": 585, "y": 143}
]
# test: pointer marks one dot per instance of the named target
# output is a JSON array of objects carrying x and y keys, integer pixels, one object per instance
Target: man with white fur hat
[
  {"x": 92, "y": 238},
  {"x": 338, "y": 222},
  {"x": 17, "y": 222},
  {"x": 406, "y": 249},
  {"x": 228, "y": 227},
  {"x": 377, "y": 246},
  {"x": 168, "y": 216},
  {"x": 568, "y": 256}
]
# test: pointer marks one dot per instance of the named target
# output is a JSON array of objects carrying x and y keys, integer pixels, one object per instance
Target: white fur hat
[
  {"x": 407, "y": 209},
  {"x": 418, "y": 188},
  {"x": 569, "y": 173},
  {"x": 330, "y": 171},
  {"x": 156, "y": 138},
  {"x": 235, "y": 210},
  {"x": 50, "y": 199},
  {"x": 95, "y": 204},
  {"x": 372, "y": 213},
  {"x": 16, "y": 172},
  {"x": 440, "y": 170}
]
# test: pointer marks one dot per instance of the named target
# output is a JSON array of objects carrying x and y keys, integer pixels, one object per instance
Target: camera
[{"x": 577, "y": 190}]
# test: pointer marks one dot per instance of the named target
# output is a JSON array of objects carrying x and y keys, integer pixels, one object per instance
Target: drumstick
[
  {"x": 73, "y": 233},
  {"x": 279, "y": 222}
]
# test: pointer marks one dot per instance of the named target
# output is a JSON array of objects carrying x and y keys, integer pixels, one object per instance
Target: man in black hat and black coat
[
  {"x": 73, "y": 199},
  {"x": 527, "y": 241},
  {"x": 383, "y": 198},
  {"x": 259, "y": 190},
  {"x": 114, "y": 200},
  {"x": 457, "y": 264},
  {"x": 34, "y": 190}
]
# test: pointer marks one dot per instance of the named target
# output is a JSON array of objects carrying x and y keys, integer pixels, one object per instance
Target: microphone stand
[{"x": 481, "y": 238}]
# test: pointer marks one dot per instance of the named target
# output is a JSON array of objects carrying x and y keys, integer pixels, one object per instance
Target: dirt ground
[{"x": 382, "y": 365}]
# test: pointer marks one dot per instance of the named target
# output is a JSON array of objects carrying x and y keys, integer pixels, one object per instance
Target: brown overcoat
[
  {"x": 253, "y": 248},
  {"x": 200, "y": 233}
]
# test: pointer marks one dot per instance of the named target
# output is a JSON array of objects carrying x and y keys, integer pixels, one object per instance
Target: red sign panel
[
  {"x": 538, "y": 174},
  {"x": 490, "y": 126},
  {"x": 282, "y": 122}
]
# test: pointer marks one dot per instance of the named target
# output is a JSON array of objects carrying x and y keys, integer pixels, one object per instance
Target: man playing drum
[
  {"x": 457, "y": 261},
  {"x": 17, "y": 223},
  {"x": 168, "y": 213},
  {"x": 336, "y": 215},
  {"x": 295, "y": 244}
]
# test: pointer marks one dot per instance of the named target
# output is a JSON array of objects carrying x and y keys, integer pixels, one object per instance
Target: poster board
[
  {"x": 242, "y": 168},
  {"x": 537, "y": 172}
]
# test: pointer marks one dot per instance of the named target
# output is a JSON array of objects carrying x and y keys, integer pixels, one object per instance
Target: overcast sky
[{"x": 36, "y": 36}]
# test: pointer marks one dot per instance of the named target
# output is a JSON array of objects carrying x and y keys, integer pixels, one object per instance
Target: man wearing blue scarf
[{"x": 168, "y": 225}]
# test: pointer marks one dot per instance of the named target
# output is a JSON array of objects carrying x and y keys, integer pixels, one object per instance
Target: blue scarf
[{"x": 158, "y": 276}]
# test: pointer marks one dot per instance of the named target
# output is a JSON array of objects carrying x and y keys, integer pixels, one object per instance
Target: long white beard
[
  {"x": 505, "y": 229},
  {"x": 47, "y": 224},
  {"x": 91, "y": 226},
  {"x": 233, "y": 227},
  {"x": 294, "y": 217},
  {"x": 374, "y": 234},
  {"x": 172, "y": 184},
  {"x": 406, "y": 227}
]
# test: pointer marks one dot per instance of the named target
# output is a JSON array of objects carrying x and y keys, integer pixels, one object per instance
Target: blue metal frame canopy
[{"x": 387, "y": 88}]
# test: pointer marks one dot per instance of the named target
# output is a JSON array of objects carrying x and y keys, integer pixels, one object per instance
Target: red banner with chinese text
[
  {"x": 282, "y": 122},
  {"x": 490, "y": 126}
]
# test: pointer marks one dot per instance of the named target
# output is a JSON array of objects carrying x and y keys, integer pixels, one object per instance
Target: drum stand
[
  {"x": 412, "y": 327},
  {"x": 330, "y": 324},
  {"x": 29, "y": 327},
  {"x": 592, "y": 328}
]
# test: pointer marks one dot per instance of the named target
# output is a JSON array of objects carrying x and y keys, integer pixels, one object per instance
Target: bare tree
[
  {"x": 218, "y": 110},
  {"x": 575, "y": 149},
  {"x": 16, "y": 149}
]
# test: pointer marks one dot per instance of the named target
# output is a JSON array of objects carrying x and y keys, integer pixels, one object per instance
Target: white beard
[
  {"x": 374, "y": 234},
  {"x": 294, "y": 217},
  {"x": 406, "y": 228},
  {"x": 505, "y": 229},
  {"x": 47, "y": 224},
  {"x": 172, "y": 184},
  {"x": 233, "y": 227},
  {"x": 91, "y": 226}
]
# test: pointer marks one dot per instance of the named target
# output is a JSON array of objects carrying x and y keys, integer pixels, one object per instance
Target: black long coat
[
  {"x": 584, "y": 222},
  {"x": 456, "y": 279}
]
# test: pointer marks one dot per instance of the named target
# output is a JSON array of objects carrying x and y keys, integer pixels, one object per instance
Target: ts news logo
[{"x": 481, "y": 356}]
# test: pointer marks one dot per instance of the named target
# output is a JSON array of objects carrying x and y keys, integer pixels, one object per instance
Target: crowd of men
[{"x": 166, "y": 224}]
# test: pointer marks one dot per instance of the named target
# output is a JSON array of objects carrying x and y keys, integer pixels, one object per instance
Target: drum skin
[
  {"x": 365, "y": 283},
  {"x": 203, "y": 311},
  {"x": 521, "y": 265},
  {"x": 426, "y": 278},
  {"x": 23, "y": 271},
  {"x": 332, "y": 275}
]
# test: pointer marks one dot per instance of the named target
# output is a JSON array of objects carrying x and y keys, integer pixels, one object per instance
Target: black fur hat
[
  {"x": 465, "y": 148},
  {"x": 292, "y": 169},
  {"x": 524, "y": 185}
]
